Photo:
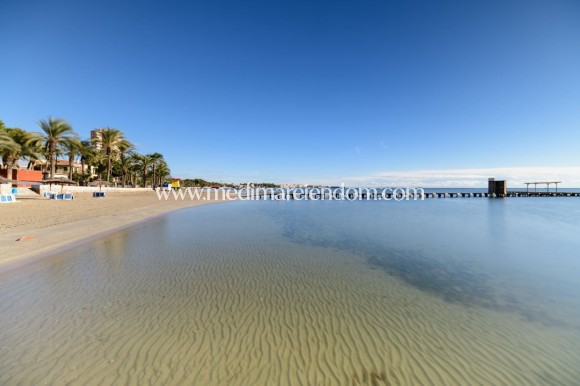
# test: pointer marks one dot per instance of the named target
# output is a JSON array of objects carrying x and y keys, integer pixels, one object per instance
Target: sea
[{"x": 455, "y": 291}]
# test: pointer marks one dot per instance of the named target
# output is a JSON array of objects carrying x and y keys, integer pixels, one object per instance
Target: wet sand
[{"x": 49, "y": 226}]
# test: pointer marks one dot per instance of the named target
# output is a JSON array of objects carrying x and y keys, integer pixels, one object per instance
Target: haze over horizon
[{"x": 373, "y": 93}]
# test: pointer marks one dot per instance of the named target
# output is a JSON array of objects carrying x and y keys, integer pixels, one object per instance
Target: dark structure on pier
[{"x": 499, "y": 188}]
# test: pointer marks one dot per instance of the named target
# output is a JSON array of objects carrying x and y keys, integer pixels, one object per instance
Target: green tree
[
  {"x": 163, "y": 172},
  {"x": 6, "y": 142},
  {"x": 26, "y": 145},
  {"x": 156, "y": 160},
  {"x": 71, "y": 147},
  {"x": 134, "y": 168},
  {"x": 56, "y": 133},
  {"x": 126, "y": 165},
  {"x": 110, "y": 141},
  {"x": 125, "y": 151},
  {"x": 87, "y": 155},
  {"x": 33, "y": 149},
  {"x": 144, "y": 162}
]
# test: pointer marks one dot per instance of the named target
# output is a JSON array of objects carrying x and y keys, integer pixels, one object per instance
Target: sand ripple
[{"x": 251, "y": 308}]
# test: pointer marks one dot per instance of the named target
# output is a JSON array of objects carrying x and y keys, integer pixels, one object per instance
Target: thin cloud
[{"x": 570, "y": 177}]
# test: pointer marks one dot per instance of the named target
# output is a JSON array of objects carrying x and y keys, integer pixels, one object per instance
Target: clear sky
[{"x": 308, "y": 91}]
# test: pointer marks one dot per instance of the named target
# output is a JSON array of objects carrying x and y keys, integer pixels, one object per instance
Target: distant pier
[
  {"x": 496, "y": 189},
  {"x": 415, "y": 195}
]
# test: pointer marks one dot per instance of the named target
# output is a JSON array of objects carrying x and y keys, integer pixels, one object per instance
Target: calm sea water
[
  {"x": 447, "y": 291},
  {"x": 475, "y": 252}
]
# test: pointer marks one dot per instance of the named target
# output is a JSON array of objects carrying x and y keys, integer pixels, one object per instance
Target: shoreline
[{"x": 74, "y": 223}]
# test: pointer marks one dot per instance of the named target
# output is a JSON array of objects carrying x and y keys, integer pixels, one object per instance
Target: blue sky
[{"x": 308, "y": 91}]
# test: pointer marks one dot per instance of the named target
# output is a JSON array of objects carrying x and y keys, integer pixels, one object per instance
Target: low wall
[
  {"x": 30, "y": 176},
  {"x": 5, "y": 188},
  {"x": 22, "y": 178}
]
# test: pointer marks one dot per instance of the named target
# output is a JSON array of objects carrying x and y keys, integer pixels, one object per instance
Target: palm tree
[
  {"x": 5, "y": 140},
  {"x": 125, "y": 164},
  {"x": 23, "y": 145},
  {"x": 56, "y": 133},
  {"x": 72, "y": 148},
  {"x": 144, "y": 162},
  {"x": 9, "y": 148},
  {"x": 86, "y": 152},
  {"x": 156, "y": 159},
  {"x": 12, "y": 153},
  {"x": 33, "y": 149},
  {"x": 134, "y": 168},
  {"x": 7, "y": 144},
  {"x": 163, "y": 172},
  {"x": 125, "y": 152},
  {"x": 110, "y": 139},
  {"x": 100, "y": 164}
]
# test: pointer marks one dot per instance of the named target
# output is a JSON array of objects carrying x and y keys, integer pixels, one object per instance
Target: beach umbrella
[
  {"x": 100, "y": 183},
  {"x": 59, "y": 181}
]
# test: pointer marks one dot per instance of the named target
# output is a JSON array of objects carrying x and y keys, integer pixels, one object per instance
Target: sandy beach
[{"x": 47, "y": 226}]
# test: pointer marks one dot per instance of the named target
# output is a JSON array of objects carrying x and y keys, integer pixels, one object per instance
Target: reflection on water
[
  {"x": 454, "y": 292},
  {"x": 501, "y": 254}
]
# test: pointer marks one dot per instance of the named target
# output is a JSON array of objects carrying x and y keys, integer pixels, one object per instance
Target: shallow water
[{"x": 450, "y": 291}]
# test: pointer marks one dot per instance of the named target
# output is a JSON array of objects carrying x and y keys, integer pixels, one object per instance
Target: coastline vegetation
[
  {"x": 57, "y": 150},
  {"x": 108, "y": 157},
  {"x": 200, "y": 182}
]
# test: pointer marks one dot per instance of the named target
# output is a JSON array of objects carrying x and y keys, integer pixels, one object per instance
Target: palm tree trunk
[
  {"x": 123, "y": 171},
  {"x": 8, "y": 161},
  {"x": 82, "y": 171},
  {"x": 71, "y": 163},
  {"x": 108, "y": 165},
  {"x": 52, "y": 156}
]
